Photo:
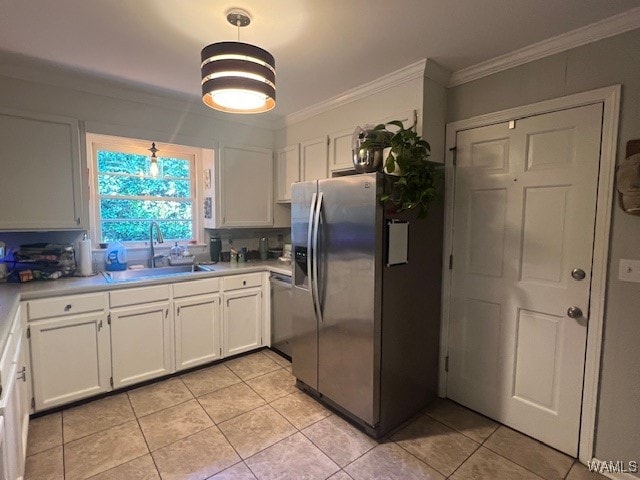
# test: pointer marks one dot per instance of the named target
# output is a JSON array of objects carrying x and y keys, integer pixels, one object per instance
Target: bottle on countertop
[
  {"x": 263, "y": 248},
  {"x": 175, "y": 251},
  {"x": 116, "y": 258},
  {"x": 215, "y": 248}
]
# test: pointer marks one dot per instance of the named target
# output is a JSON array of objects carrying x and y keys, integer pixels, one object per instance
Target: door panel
[
  {"x": 150, "y": 327},
  {"x": 304, "y": 344},
  {"x": 524, "y": 214},
  {"x": 348, "y": 263}
]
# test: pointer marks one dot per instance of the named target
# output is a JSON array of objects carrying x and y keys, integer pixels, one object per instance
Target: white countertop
[{"x": 12, "y": 293}]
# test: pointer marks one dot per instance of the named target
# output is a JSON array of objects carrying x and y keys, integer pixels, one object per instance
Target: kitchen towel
[{"x": 86, "y": 260}]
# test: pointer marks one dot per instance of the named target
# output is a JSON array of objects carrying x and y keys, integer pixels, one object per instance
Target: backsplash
[
  {"x": 250, "y": 238},
  {"x": 236, "y": 238}
]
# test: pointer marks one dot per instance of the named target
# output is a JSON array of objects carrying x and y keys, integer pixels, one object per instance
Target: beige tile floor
[{"x": 244, "y": 419}]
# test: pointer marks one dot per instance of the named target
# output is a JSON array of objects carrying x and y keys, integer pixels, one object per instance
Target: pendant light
[
  {"x": 153, "y": 168},
  {"x": 238, "y": 77}
]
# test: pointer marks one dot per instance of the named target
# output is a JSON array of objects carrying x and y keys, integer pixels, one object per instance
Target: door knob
[
  {"x": 574, "y": 312},
  {"x": 578, "y": 274}
]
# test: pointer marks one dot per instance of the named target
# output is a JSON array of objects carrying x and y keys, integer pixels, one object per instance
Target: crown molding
[
  {"x": 623, "y": 22},
  {"x": 405, "y": 74},
  {"x": 48, "y": 73}
]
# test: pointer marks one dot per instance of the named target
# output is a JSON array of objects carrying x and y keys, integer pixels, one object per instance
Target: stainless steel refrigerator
[{"x": 365, "y": 324}]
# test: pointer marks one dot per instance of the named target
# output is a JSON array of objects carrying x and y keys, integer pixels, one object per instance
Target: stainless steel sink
[{"x": 149, "y": 273}]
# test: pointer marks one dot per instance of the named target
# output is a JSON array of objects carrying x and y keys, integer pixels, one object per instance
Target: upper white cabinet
[
  {"x": 287, "y": 171},
  {"x": 313, "y": 157},
  {"x": 340, "y": 156},
  {"x": 41, "y": 181},
  {"x": 245, "y": 186}
]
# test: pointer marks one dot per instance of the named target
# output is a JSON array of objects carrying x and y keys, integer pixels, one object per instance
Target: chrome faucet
[{"x": 153, "y": 257}]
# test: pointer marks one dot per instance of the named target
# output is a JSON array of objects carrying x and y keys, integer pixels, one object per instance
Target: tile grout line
[
  {"x": 513, "y": 461},
  {"x": 465, "y": 460},
  {"x": 143, "y": 436}
]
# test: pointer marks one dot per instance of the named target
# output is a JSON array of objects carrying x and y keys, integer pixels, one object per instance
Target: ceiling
[{"x": 322, "y": 47}]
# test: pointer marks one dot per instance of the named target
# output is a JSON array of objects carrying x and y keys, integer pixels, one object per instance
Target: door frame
[{"x": 610, "y": 98}]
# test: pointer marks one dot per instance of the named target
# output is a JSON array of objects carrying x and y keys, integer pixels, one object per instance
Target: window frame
[{"x": 194, "y": 155}]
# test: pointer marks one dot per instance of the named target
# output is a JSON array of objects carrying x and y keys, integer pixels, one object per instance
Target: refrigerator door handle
[
  {"x": 314, "y": 266},
  {"x": 310, "y": 236}
]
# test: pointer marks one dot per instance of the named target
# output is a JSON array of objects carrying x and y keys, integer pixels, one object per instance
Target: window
[{"x": 127, "y": 198}]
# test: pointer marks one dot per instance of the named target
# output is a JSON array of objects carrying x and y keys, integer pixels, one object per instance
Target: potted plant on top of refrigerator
[{"x": 413, "y": 181}]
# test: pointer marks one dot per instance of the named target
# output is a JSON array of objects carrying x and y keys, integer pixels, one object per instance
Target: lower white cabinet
[
  {"x": 97, "y": 342},
  {"x": 242, "y": 320},
  {"x": 141, "y": 343},
  {"x": 14, "y": 403},
  {"x": 197, "y": 330},
  {"x": 70, "y": 358}
]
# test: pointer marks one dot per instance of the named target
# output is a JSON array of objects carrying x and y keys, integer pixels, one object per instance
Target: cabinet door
[
  {"x": 22, "y": 399},
  {"x": 287, "y": 171},
  {"x": 313, "y": 156},
  {"x": 245, "y": 184},
  {"x": 141, "y": 343},
  {"x": 242, "y": 320},
  {"x": 69, "y": 359},
  {"x": 340, "y": 154},
  {"x": 197, "y": 330},
  {"x": 41, "y": 188}
]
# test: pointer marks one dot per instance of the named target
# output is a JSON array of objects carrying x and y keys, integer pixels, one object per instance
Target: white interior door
[{"x": 524, "y": 214}]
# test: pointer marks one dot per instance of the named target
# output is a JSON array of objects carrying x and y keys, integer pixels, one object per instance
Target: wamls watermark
[{"x": 613, "y": 466}]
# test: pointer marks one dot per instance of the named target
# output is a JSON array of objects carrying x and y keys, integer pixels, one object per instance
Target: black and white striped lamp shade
[{"x": 238, "y": 78}]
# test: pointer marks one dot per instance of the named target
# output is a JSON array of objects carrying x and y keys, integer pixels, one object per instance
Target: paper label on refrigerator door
[{"x": 398, "y": 242}]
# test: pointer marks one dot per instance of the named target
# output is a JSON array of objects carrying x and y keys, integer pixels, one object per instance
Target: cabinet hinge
[
  {"x": 33, "y": 402},
  {"x": 451, "y": 262},
  {"x": 446, "y": 363},
  {"x": 454, "y": 151},
  {"x": 109, "y": 319},
  {"x": 111, "y": 381},
  {"x": 28, "y": 332}
]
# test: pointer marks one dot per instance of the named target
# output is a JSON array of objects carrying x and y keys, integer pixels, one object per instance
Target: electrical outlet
[{"x": 629, "y": 270}]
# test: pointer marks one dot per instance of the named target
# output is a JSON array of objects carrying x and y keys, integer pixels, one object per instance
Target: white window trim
[{"x": 97, "y": 141}]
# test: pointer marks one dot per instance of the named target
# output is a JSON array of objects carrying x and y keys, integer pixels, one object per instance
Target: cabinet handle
[
  {"x": 244, "y": 282},
  {"x": 23, "y": 374},
  {"x": 100, "y": 325},
  {"x": 67, "y": 307},
  {"x": 178, "y": 312},
  {"x": 166, "y": 313}
]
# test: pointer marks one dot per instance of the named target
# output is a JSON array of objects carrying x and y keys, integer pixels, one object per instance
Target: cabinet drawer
[
  {"x": 242, "y": 281},
  {"x": 197, "y": 287},
  {"x": 69, "y": 305},
  {"x": 136, "y": 296}
]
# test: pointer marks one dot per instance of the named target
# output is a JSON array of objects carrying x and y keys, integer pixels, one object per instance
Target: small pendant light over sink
[
  {"x": 153, "y": 167},
  {"x": 238, "y": 77}
]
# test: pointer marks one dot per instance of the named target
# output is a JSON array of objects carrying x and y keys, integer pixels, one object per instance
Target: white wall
[
  {"x": 377, "y": 107},
  {"x": 607, "y": 62}
]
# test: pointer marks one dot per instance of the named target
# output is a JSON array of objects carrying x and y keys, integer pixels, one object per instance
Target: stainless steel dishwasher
[{"x": 281, "y": 328}]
